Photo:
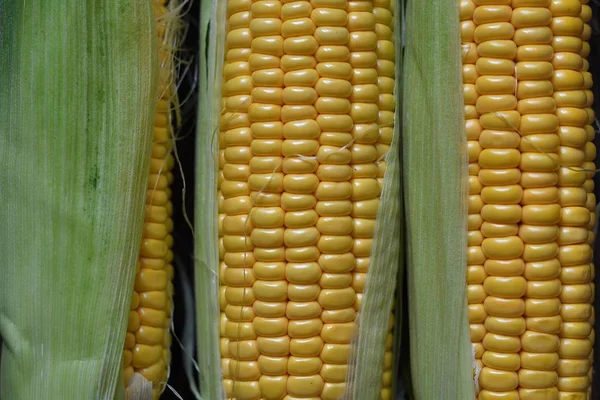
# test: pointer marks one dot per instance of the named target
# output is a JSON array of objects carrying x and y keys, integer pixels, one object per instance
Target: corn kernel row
[
  {"x": 571, "y": 85},
  {"x": 476, "y": 273},
  {"x": 590, "y": 167},
  {"x": 539, "y": 229},
  {"x": 236, "y": 277}
]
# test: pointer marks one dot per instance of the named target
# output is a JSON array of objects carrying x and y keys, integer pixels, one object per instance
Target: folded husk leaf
[
  {"x": 436, "y": 189},
  {"x": 212, "y": 42}
]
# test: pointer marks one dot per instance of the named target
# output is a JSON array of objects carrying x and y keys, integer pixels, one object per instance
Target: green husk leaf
[
  {"x": 77, "y": 98},
  {"x": 435, "y": 172},
  {"x": 212, "y": 44},
  {"x": 384, "y": 279}
]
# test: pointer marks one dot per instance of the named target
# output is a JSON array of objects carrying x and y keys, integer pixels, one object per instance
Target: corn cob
[
  {"x": 301, "y": 158},
  {"x": 148, "y": 339},
  {"x": 529, "y": 248}
]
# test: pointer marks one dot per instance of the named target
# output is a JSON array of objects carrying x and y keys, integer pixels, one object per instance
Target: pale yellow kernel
[
  {"x": 150, "y": 280},
  {"x": 574, "y": 384},
  {"x": 474, "y": 221},
  {"x": 575, "y": 274},
  {"x": 333, "y": 191},
  {"x": 573, "y": 367},
  {"x": 477, "y": 313},
  {"x": 466, "y": 9},
  {"x": 337, "y": 298},
  {"x": 493, "y": 379},
  {"x": 542, "y": 307},
  {"x": 491, "y": 395},
  {"x": 476, "y": 274},
  {"x": 532, "y": 379},
  {"x": 499, "y": 139},
  {"x": 574, "y": 348},
  {"x": 537, "y": 342},
  {"x": 273, "y": 387},
  {"x": 475, "y": 294},
  {"x": 128, "y": 373},
  {"x": 576, "y": 293},
  {"x": 505, "y": 49},
  {"x": 542, "y": 270},
  {"x": 502, "y": 307},
  {"x": 539, "y": 361},
  {"x": 576, "y": 330},
  {"x": 575, "y": 254},
  {"x": 494, "y": 66},
  {"x": 538, "y": 179},
  {"x": 528, "y": 17},
  {"x": 475, "y": 255},
  {"x": 336, "y": 263},
  {"x": 491, "y": 13},
  {"x": 494, "y": 31},
  {"x": 508, "y": 287},
  {"x": 503, "y": 120},
  {"x": 146, "y": 355},
  {"x": 246, "y": 390},
  {"x": 501, "y": 213},
  {"x": 303, "y": 310},
  {"x": 499, "y": 158},
  {"x": 133, "y": 321},
  {"x": 501, "y": 361},
  {"x": 503, "y": 248},
  {"x": 550, "y": 324},
  {"x": 477, "y": 332},
  {"x": 535, "y": 105},
  {"x": 269, "y": 309},
  {"x": 533, "y": 35},
  {"x": 154, "y": 300},
  {"x": 335, "y": 281},
  {"x": 149, "y": 335},
  {"x": 505, "y": 326},
  {"x": 475, "y": 204},
  {"x": 534, "y": 88},
  {"x": 538, "y": 233},
  {"x": 495, "y": 85},
  {"x": 467, "y": 31},
  {"x": 127, "y": 358},
  {"x": 239, "y": 313},
  {"x": 474, "y": 238}
]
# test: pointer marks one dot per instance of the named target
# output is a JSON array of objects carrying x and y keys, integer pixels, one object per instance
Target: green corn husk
[
  {"x": 367, "y": 354},
  {"x": 77, "y": 97},
  {"x": 212, "y": 42},
  {"x": 436, "y": 189}
]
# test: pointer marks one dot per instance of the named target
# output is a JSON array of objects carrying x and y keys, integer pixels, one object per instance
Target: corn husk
[
  {"x": 435, "y": 183},
  {"x": 212, "y": 41},
  {"x": 77, "y": 98}
]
